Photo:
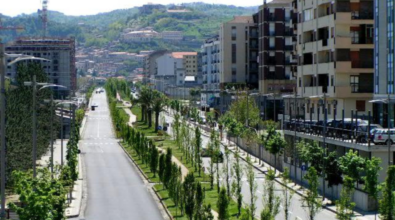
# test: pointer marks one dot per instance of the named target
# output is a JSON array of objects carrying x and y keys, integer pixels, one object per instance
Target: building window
[
  {"x": 234, "y": 33},
  {"x": 234, "y": 55},
  {"x": 361, "y": 105},
  {"x": 354, "y": 83}
]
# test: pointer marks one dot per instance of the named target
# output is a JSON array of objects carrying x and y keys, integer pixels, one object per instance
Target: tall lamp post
[
  {"x": 34, "y": 84},
  {"x": 323, "y": 97},
  {"x": 19, "y": 57}
]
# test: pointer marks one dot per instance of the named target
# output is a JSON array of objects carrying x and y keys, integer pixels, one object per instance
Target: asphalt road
[{"x": 115, "y": 189}]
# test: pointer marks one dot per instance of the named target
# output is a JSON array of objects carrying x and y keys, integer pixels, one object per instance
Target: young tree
[
  {"x": 154, "y": 160},
  {"x": 287, "y": 193},
  {"x": 162, "y": 166},
  {"x": 176, "y": 130},
  {"x": 387, "y": 201},
  {"x": 372, "y": 169},
  {"x": 198, "y": 145},
  {"x": 189, "y": 186},
  {"x": 207, "y": 214},
  {"x": 222, "y": 205},
  {"x": 352, "y": 165},
  {"x": 237, "y": 184},
  {"x": 226, "y": 171},
  {"x": 199, "y": 200},
  {"x": 168, "y": 167},
  {"x": 211, "y": 168},
  {"x": 311, "y": 200},
  {"x": 271, "y": 201},
  {"x": 275, "y": 146},
  {"x": 345, "y": 205},
  {"x": 252, "y": 186},
  {"x": 159, "y": 105}
]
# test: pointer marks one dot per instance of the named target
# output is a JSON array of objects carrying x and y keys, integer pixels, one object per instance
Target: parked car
[
  {"x": 381, "y": 136},
  {"x": 362, "y": 133}
]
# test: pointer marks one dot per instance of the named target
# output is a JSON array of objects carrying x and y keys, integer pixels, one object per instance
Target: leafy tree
[
  {"x": 311, "y": 200},
  {"x": 159, "y": 105},
  {"x": 243, "y": 109},
  {"x": 199, "y": 200},
  {"x": 176, "y": 131},
  {"x": 43, "y": 197},
  {"x": 162, "y": 166},
  {"x": 207, "y": 214},
  {"x": 387, "y": 201},
  {"x": 345, "y": 205},
  {"x": 154, "y": 160},
  {"x": 198, "y": 144},
  {"x": 311, "y": 153},
  {"x": 372, "y": 169},
  {"x": 287, "y": 193},
  {"x": 352, "y": 165},
  {"x": 252, "y": 186},
  {"x": 237, "y": 183},
  {"x": 275, "y": 146},
  {"x": 271, "y": 201},
  {"x": 168, "y": 167},
  {"x": 332, "y": 170},
  {"x": 226, "y": 168},
  {"x": 222, "y": 205},
  {"x": 189, "y": 186}
]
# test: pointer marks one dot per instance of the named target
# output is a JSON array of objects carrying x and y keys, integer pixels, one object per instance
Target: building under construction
[{"x": 61, "y": 53}]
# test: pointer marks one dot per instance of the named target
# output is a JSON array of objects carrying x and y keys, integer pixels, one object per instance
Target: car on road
[{"x": 362, "y": 135}]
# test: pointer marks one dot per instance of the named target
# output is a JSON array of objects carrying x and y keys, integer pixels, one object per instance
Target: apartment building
[
  {"x": 384, "y": 61},
  {"x": 61, "y": 69},
  {"x": 210, "y": 71},
  {"x": 150, "y": 62},
  {"x": 171, "y": 70},
  {"x": 140, "y": 36},
  {"x": 277, "y": 57},
  {"x": 336, "y": 52},
  {"x": 172, "y": 35}
]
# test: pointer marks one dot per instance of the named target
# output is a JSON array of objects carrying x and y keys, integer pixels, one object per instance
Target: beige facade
[
  {"x": 335, "y": 50},
  {"x": 233, "y": 37},
  {"x": 191, "y": 64}
]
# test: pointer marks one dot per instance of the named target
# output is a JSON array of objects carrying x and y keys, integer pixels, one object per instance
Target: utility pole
[
  {"x": 34, "y": 132},
  {"x": 61, "y": 134},
  {"x": 3, "y": 129}
]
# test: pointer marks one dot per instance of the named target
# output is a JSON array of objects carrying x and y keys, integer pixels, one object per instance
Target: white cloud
[{"x": 87, "y": 7}]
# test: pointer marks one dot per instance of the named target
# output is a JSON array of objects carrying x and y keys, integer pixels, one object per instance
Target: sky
[{"x": 89, "y": 7}]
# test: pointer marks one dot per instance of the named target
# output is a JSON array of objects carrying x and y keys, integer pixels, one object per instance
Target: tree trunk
[
  {"x": 150, "y": 118},
  {"x": 142, "y": 113},
  {"x": 156, "y": 121}
]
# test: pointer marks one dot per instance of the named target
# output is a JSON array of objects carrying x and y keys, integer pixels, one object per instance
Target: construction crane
[{"x": 43, "y": 13}]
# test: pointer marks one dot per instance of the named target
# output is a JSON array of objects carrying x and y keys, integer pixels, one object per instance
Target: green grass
[{"x": 211, "y": 196}]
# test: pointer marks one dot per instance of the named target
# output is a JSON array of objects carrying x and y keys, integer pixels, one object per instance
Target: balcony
[
  {"x": 358, "y": 64},
  {"x": 288, "y": 47},
  {"x": 347, "y": 67},
  {"x": 348, "y": 43},
  {"x": 347, "y": 18}
]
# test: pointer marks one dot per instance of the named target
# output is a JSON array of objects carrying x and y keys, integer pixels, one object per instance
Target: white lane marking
[{"x": 98, "y": 128}]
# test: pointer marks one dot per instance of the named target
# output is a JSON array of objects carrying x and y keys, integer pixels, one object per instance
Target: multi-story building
[
  {"x": 61, "y": 69},
  {"x": 140, "y": 36},
  {"x": 277, "y": 61},
  {"x": 150, "y": 63},
  {"x": 336, "y": 53},
  {"x": 210, "y": 71},
  {"x": 384, "y": 61},
  {"x": 191, "y": 64}
]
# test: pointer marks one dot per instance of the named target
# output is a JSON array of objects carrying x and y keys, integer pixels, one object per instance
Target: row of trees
[{"x": 44, "y": 196}]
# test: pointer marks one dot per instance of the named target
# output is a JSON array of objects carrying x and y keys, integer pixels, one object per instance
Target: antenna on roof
[{"x": 43, "y": 13}]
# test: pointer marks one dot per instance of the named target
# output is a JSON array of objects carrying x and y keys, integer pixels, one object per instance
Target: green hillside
[{"x": 103, "y": 29}]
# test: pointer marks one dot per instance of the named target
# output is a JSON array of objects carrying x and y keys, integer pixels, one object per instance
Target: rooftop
[
  {"x": 180, "y": 55},
  {"x": 242, "y": 19}
]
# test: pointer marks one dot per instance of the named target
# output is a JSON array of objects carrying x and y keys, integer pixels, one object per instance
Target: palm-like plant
[
  {"x": 159, "y": 105},
  {"x": 146, "y": 100}
]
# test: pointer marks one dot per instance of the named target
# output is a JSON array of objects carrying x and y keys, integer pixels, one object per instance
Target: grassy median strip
[{"x": 211, "y": 195}]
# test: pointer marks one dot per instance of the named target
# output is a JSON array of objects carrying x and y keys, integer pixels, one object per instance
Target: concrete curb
[{"x": 161, "y": 202}]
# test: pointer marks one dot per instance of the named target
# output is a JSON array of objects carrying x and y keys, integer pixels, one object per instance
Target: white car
[{"x": 381, "y": 136}]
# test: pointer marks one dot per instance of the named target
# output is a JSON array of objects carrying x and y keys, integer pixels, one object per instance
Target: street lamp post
[{"x": 324, "y": 99}]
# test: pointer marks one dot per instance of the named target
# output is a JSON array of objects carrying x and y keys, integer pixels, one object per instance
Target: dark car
[{"x": 362, "y": 134}]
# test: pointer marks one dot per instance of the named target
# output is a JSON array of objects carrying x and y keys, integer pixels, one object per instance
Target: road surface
[{"x": 115, "y": 189}]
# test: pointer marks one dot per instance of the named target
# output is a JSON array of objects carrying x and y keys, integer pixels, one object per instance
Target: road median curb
[
  {"x": 163, "y": 204},
  {"x": 138, "y": 167}
]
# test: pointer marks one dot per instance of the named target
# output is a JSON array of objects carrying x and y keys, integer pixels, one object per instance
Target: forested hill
[{"x": 202, "y": 21}]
